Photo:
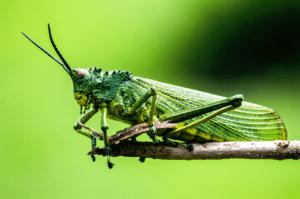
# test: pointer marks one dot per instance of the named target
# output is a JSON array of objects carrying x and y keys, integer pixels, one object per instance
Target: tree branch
[
  {"x": 277, "y": 150},
  {"x": 121, "y": 146}
]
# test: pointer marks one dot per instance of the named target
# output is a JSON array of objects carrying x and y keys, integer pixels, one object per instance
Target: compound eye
[{"x": 80, "y": 74}]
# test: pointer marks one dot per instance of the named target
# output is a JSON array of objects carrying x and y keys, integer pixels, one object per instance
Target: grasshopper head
[
  {"x": 82, "y": 86},
  {"x": 89, "y": 85},
  {"x": 82, "y": 78}
]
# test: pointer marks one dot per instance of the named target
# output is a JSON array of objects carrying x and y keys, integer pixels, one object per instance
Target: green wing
[{"x": 246, "y": 123}]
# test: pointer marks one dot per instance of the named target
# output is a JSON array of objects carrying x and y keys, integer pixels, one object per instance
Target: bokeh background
[{"x": 222, "y": 47}]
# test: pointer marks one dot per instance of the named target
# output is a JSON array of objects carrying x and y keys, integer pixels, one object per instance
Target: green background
[{"x": 221, "y": 47}]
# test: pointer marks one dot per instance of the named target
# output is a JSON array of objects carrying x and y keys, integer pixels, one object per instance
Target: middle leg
[
  {"x": 151, "y": 120},
  {"x": 138, "y": 104}
]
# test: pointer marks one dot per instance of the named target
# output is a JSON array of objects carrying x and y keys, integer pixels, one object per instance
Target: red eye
[{"x": 80, "y": 74}]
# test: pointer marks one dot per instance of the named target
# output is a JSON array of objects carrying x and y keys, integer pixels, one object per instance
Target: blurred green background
[{"x": 221, "y": 47}]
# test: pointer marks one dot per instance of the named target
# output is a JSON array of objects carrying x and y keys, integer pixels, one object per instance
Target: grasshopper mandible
[{"x": 199, "y": 116}]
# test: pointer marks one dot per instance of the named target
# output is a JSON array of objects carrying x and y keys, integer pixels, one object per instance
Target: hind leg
[{"x": 220, "y": 107}]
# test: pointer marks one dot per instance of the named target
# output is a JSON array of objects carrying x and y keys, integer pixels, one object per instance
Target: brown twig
[
  {"x": 277, "y": 150},
  {"x": 121, "y": 146}
]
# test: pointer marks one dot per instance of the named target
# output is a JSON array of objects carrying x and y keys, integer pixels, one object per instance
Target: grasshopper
[{"x": 200, "y": 116}]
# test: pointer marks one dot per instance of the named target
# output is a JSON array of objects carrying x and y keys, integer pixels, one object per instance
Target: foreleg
[
  {"x": 83, "y": 119},
  {"x": 104, "y": 128}
]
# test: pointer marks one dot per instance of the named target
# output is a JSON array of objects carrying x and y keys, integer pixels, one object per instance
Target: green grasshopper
[{"x": 199, "y": 116}]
